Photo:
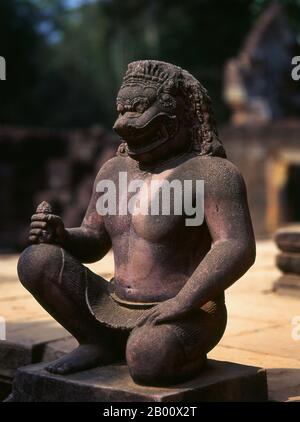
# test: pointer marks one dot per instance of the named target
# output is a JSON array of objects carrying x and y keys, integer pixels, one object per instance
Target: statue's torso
[{"x": 154, "y": 254}]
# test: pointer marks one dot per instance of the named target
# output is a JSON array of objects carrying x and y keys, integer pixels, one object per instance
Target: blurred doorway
[
  {"x": 283, "y": 189},
  {"x": 292, "y": 193}
]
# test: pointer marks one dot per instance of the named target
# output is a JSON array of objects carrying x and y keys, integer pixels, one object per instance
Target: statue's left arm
[{"x": 233, "y": 244}]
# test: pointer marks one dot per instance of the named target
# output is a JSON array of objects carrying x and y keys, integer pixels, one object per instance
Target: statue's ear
[{"x": 122, "y": 149}]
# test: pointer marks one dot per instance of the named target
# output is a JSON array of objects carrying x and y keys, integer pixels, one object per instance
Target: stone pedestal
[
  {"x": 220, "y": 381},
  {"x": 287, "y": 240},
  {"x": 5, "y": 388}
]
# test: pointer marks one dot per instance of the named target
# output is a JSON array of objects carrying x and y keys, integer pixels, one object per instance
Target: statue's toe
[
  {"x": 61, "y": 367},
  {"x": 84, "y": 357}
]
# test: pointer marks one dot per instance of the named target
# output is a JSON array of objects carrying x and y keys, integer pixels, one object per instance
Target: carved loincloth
[
  {"x": 114, "y": 312},
  {"x": 110, "y": 310}
]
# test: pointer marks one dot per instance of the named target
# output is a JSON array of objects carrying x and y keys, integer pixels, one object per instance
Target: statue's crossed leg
[{"x": 155, "y": 354}]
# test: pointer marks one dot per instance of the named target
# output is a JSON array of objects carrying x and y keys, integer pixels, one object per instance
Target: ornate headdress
[{"x": 149, "y": 72}]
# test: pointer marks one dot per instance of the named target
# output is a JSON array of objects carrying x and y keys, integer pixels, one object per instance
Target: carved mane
[{"x": 171, "y": 79}]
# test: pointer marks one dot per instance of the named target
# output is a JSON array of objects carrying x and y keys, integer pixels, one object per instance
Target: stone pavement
[{"x": 259, "y": 330}]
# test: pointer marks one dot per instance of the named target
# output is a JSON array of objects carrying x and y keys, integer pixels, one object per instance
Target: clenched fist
[{"x": 46, "y": 227}]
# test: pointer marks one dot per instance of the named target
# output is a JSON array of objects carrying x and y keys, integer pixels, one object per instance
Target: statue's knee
[
  {"x": 153, "y": 356},
  {"x": 37, "y": 263}
]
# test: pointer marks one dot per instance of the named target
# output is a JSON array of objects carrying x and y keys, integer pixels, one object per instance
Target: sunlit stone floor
[{"x": 259, "y": 330}]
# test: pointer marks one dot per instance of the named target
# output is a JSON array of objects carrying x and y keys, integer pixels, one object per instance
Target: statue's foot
[{"x": 85, "y": 356}]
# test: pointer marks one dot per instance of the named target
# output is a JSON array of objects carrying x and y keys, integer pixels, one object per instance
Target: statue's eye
[{"x": 140, "y": 107}]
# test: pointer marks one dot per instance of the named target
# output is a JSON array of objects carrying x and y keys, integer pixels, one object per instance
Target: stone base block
[
  {"x": 220, "y": 381},
  {"x": 5, "y": 388},
  {"x": 288, "y": 238}
]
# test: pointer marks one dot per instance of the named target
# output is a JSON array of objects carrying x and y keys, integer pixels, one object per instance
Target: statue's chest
[{"x": 152, "y": 206}]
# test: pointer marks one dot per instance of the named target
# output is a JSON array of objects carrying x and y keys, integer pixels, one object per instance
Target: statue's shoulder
[
  {"x": 210, "y": 164},
  {"x": 112, "y": 167},
  {"x": 218, "y": 173}
]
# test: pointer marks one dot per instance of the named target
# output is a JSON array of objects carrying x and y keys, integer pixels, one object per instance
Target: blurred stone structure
[
  {"x": 56, "y": 165},
  {"x": 287, "y": 240},
  {"x": 263, "y": 138},
  {"x": 258, "y": 83}
]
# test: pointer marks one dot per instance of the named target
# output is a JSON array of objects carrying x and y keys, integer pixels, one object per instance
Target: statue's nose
[
  {"x": 120, "y": 127},
  {"x": 119, "y": 124},
  {"x": 123, "y": 126},
  {"x": 115, "y": 127}
]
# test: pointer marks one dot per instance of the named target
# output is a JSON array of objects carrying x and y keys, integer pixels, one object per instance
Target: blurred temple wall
[
  {"x": 263, "y": 137},
  {"x": 58, "y": 166}
]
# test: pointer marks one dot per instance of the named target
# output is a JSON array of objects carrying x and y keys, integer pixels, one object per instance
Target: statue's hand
[
  {"x": 47, "y": 227},
  {"x": 166, "y": 311}
]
